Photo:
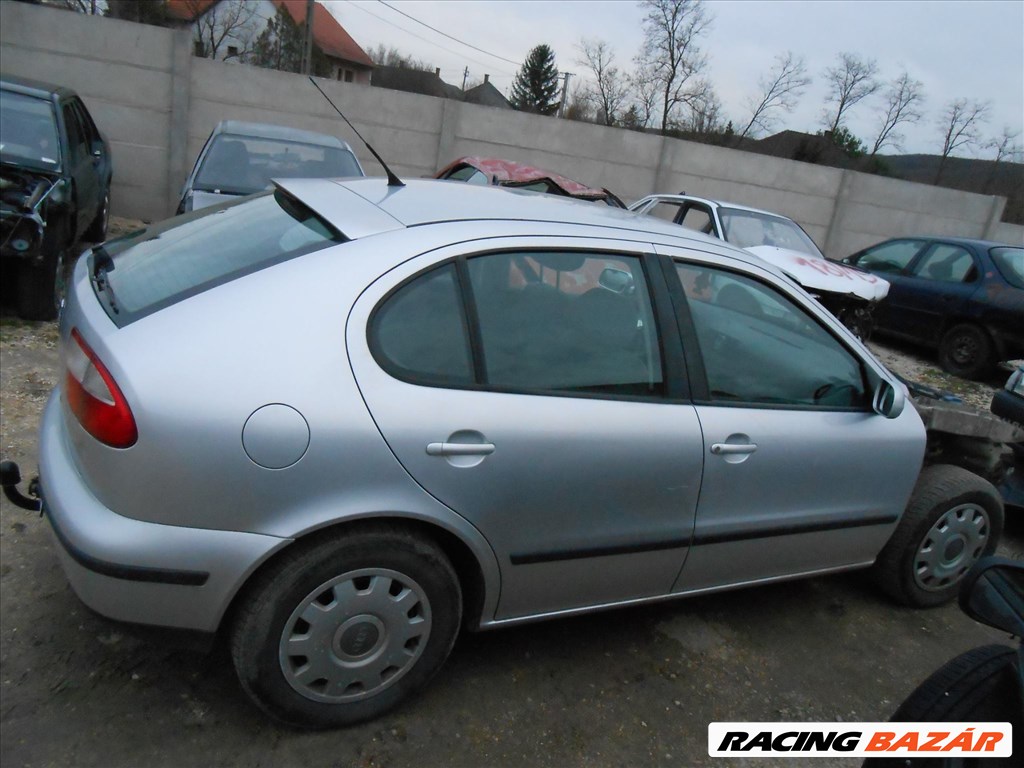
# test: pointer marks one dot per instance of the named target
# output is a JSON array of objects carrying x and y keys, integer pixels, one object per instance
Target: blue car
[{"x": 961, "y": 296}]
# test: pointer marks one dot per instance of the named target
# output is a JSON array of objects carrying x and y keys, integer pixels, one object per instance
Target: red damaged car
[{"x": 506, "y": 173}]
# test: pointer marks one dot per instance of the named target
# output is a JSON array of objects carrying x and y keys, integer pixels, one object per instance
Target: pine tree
[{"x": 536, "y": 86}]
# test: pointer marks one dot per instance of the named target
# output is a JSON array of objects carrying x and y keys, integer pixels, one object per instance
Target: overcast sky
[{"x": 956, "y": 48}]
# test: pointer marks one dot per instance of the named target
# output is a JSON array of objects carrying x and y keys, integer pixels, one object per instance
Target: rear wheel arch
[{"x": 467, "y": 566}]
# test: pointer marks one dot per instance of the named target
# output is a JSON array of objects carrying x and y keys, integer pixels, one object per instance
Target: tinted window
[
  {"x": 192, "y": 253},
  {"x": 946, "y": 263},
  {"x": 469, "y": 174},
  {"x": 28, "y": 130},
  {"x": 760, "y": 347},
  {"x": 889, "y": 257},
  {"x": 1010, "y": 263},
  {"x": 76, "y": 136},
  {"x": 566, "y": 321},
  {"x": 243, "y": 164},
  {"x": 418, "y": 333}
]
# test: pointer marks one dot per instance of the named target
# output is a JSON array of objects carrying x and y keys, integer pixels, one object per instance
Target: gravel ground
[{"x": 626, "y": 688}]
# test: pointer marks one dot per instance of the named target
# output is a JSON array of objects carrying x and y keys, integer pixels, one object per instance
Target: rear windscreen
[{"x": 186, "y": 255}]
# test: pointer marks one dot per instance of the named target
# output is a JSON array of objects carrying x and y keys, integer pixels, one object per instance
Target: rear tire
[
  {"x": 953, "y": 518},
  {"x": 966, "y": 351},
  {"x": 342, "y": 630}
]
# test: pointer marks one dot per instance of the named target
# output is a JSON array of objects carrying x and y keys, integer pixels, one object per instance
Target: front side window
[
  {"x": 946, "y": 263},
  {"x": 760, "y": 347},
  {"x": 468, "y": 174},
  {"x": 566, "y": 321},
  {"x": 889, "y": 257}
]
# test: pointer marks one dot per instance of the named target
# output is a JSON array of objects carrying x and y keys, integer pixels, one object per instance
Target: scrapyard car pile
[
  {"x": 850, "y": 294},
  {"x": 509, "y": 407}
]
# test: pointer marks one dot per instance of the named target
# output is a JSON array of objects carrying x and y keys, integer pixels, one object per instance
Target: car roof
[
  {"x": 510, "y": 172},
  {"x": 279, "y": 132},
  {"x": 368, "y": 206},
  {"x": 969, "y": 241},
  {"x": 36, "y": 88},
  {"x": 718, "y": 203}
]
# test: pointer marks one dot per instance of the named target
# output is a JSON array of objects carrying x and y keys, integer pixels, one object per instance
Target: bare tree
[
  {"x": 780, "y": 89},
  {"x": 903, "y": 97},
  {"x": 705, "y": 115},
  {"x": 851, "y": 81},
  {"x": 671, "y": 53},
  {"x": 392, "y": 57},
  {"x": 89, "y": 7},
  {"x": 578, "y": 106},
  {"x": 961, "y": 125},
  {"x": 1006, "y": 146},
  {"x": 1007, "y": 149},
  {"x": 609, "y": 90},
  {"x": 227, "y": 30},
  {"x": 645, "y": 93}
]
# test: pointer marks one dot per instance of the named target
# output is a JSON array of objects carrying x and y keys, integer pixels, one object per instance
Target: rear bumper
[{"x": 132, "y": 570}]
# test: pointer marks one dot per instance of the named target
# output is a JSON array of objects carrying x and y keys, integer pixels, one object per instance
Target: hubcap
[
  {"x": 965, "y": 349},
  {"x": 951, "y": 547},
  {"x": 355, "y": 635}
]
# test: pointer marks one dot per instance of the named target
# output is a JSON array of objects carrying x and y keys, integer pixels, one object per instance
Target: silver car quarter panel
[
  {"x": 136, "y": 571},
  {"x": 584, "y": 500}
]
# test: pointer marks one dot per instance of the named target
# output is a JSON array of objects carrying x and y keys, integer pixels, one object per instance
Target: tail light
[{"x": 95, "y": 398}]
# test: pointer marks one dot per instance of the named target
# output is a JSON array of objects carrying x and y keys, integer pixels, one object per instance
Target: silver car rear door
[{"x": 586, "y": 497}]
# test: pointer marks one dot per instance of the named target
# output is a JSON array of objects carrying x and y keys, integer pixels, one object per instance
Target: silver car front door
[
  {"x": 801, "y": 476},
  {"x": 558, "y": 437}
]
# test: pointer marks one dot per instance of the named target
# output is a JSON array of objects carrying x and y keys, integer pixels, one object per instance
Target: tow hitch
[{"x": 10, "y": 478}]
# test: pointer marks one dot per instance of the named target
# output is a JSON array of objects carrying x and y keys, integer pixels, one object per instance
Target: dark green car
[{"x": 54, "y": 187}]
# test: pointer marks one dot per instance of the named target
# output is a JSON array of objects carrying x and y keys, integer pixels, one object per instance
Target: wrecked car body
[
  {"x": 55, "y": 171},
  {"x": 849, "y": 293}
]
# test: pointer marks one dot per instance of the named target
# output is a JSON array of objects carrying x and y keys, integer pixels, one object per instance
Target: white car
[{"x": 850, "y": 294}]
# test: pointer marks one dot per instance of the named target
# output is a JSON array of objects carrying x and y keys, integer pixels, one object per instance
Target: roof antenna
[{"x": 393, "y": 181}]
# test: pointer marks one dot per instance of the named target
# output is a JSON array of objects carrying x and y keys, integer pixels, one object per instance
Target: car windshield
[
  {"x": 28, "y": 131},
  {"x": 189, "y": 254},
  {"x": 243, "y": 164},
  {"x": 1010, "y": 262},
  {"x": 749, "y": 229}
]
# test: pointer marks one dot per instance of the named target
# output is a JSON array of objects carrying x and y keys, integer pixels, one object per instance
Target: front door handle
[
  {"x": 460, "y": 449},
  {"x": 723, "y": 449}
]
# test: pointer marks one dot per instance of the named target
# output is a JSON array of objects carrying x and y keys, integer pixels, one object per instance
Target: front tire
[
  {"x": 953, "y": 519},
  {"x": 343, "y": 630}
]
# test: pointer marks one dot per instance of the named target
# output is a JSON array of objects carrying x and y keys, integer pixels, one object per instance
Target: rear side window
[
  {"x": 567, "y": 322},
  {"x": 419, "y": 332},
  {"x": 193, "y": 253},
  {"x": 1010, "y": 263}
]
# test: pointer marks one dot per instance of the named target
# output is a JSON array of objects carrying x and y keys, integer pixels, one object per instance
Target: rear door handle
[
  {"x": 460, "y": 449},
  {"x": 723, "y": 449}
]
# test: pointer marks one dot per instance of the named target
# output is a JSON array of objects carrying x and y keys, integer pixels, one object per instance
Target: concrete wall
[{"x": 157, "y": 104}]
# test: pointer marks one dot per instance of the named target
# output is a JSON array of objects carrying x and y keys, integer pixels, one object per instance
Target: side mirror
[
  {"x": 888, "y": 400},
  {"x": 616, "y": 280},
  {"x": 993, "y": 593}
]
